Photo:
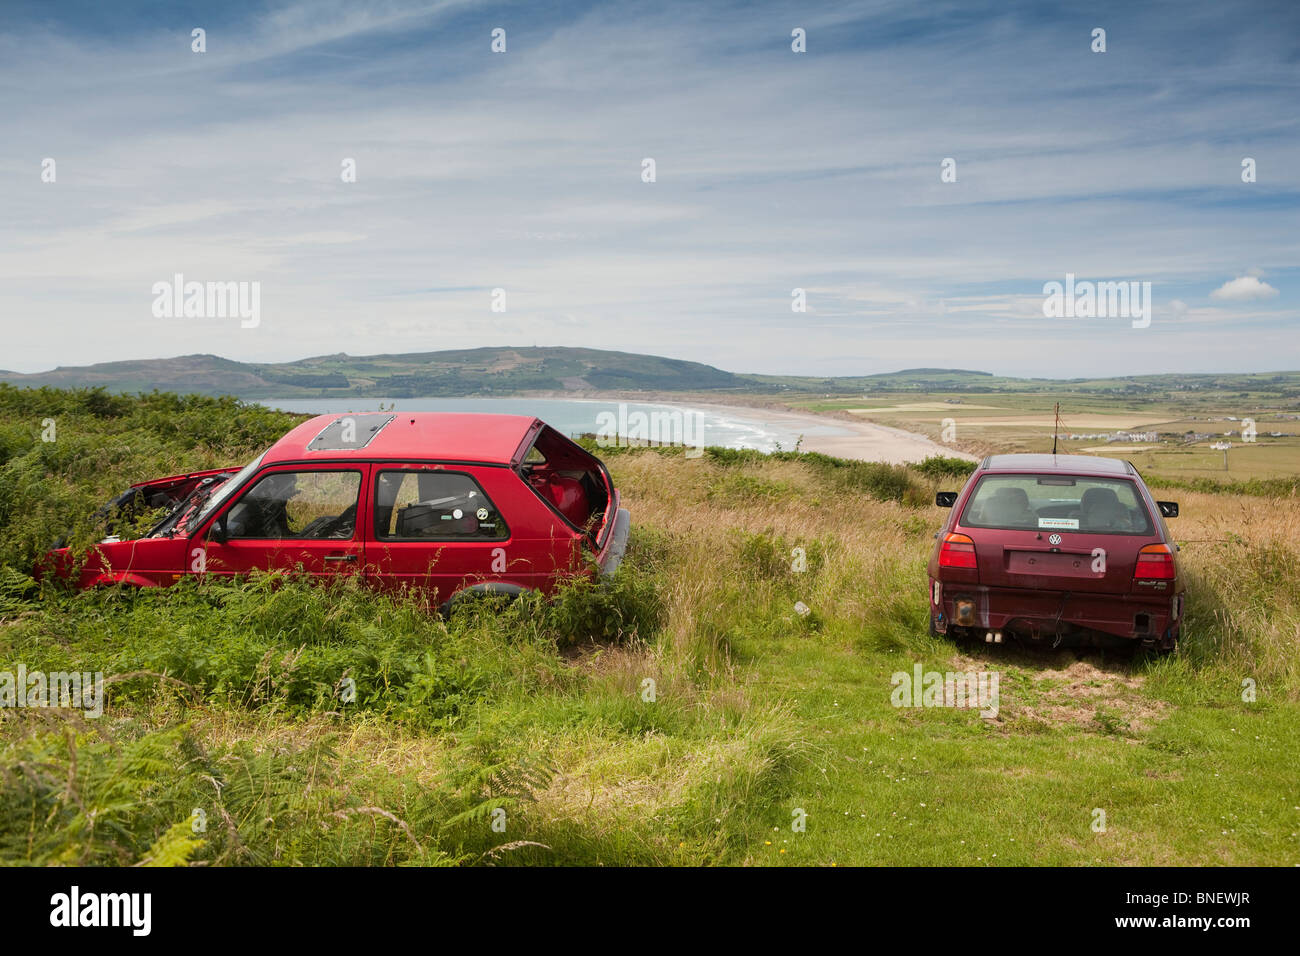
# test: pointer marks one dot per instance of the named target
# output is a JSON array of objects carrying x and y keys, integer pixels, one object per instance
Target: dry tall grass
[{"x": 1240, "y": 554}]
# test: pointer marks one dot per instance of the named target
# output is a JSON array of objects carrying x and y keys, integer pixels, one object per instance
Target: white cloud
[
  {"x": 1244, "y": 289},
  {"x": 523, "y": 171}
]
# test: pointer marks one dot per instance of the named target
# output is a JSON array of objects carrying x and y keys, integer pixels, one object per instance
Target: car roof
[
  {"x": 1065, "y": 464},
  {"x": 416, "y": 436}
]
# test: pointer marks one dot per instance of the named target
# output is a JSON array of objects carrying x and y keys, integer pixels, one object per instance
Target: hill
[
  {"x": 512, "y": 371},
  {"x": 484, "y": 371}
]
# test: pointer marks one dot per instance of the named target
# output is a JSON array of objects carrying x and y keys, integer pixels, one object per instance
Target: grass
[
  {"x": 681, "y": 713},
  {"x": 1020, "y": 419}
]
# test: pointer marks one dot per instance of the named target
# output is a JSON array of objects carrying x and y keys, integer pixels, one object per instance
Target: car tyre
[{"x": 491, "y": 592}]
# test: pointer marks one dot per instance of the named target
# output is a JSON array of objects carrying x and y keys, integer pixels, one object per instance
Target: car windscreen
[
  {"x": 1078, "y": 503},
  {"x": 226, "y": 490}
]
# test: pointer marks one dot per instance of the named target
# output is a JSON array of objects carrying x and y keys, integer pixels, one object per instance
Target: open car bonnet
[{"x": 181, "y": 495}]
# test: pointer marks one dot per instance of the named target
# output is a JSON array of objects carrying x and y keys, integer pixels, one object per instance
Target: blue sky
[{"x": 775, "y": 170}]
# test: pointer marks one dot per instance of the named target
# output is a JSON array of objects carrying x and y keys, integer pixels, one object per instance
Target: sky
[{"x": 774, "y": 170}]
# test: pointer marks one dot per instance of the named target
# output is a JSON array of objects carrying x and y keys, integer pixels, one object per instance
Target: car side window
[
  {"x": 423, "y": 505},
  {"x": 304, "y": 505}
]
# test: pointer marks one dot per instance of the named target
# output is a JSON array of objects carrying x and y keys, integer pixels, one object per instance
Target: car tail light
[
  {"x": 1155, "y": 563},
  {"x": 957, "y": 551}
]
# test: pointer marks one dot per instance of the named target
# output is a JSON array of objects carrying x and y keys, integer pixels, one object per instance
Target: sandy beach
[
  {"x": 865, "y": 441},
  {"x": 853, "y": 438},
  {"x": 842, "y": 435}
]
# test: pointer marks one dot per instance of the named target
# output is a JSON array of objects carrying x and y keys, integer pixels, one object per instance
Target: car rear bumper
[
  {"x": 1050, "y": 614},
  {"x": 616, "y": 547}
]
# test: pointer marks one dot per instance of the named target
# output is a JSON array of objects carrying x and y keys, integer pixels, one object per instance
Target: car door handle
[{"x": 340, "y": 557}]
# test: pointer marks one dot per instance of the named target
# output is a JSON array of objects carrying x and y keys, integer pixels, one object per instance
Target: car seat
[
  {"x": 338, "y": 527},
  {"x": 439, "y": 517},
  {"x": 1010, "y": 506},
  {"x": 565, "y": 494},
  {"x": 254, "y": 518},
  {"x": 1100, "y": 510}
]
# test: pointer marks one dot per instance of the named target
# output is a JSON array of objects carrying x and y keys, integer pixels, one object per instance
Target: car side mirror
[
  {"x": 1168, "y": 509},
  {"x": 945, "y": 499},
  {"x": 218, "y": 532}
]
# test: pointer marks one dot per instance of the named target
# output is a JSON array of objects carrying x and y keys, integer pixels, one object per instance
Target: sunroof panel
[{"x": 349, "y": 432}]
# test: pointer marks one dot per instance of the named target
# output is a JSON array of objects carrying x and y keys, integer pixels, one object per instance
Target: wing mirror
[
  {"x": 946, "y": 499},
  {"x": 218, "y": 532},
  {"x": 1168, "y": 509}
]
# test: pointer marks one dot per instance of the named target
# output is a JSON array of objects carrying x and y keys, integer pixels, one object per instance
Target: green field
[
  {"x": 1023, "y": 421},
  {"x": 529, "y": 734}
]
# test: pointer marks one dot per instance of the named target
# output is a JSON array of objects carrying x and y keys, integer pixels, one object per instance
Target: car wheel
[
  {"x": 1154, "y": 652},
  {"x": 499, "y": 593}
]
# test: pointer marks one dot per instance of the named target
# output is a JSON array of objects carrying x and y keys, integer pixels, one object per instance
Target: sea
[{"x": 725, "y": 429}]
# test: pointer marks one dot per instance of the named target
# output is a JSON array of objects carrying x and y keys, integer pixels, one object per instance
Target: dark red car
[
  {"x": 443, "y": 503},
  {"x": 1054, "y": 548}
]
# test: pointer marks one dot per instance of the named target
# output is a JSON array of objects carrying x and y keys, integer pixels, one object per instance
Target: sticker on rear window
[{"x": 1069, "y": 524}]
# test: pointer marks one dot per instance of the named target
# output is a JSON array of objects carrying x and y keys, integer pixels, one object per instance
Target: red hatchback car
[
  {"x": 443, "y": 503},
  {"x": 1056, "y": 547}
]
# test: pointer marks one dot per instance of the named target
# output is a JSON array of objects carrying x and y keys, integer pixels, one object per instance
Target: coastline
[
  {"x": 865, "y": 441},
  {"x": 837, "y": 434}
]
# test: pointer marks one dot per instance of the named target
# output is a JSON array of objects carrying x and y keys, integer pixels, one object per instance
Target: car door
[
  {"x": 295, "y": 518},
  {"x": 443, "y": 527}
]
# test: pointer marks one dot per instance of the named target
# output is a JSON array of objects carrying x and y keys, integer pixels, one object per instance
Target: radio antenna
[{"x": 1056, "y": 427}]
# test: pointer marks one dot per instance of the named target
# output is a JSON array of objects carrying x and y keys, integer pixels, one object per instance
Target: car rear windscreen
[{"x": 1057, "y": 503}]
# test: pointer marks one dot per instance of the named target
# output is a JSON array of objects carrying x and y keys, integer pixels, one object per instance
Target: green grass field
[
  {"x": 1023, "y": 421},
  {"x": 682, "y": 712}
]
